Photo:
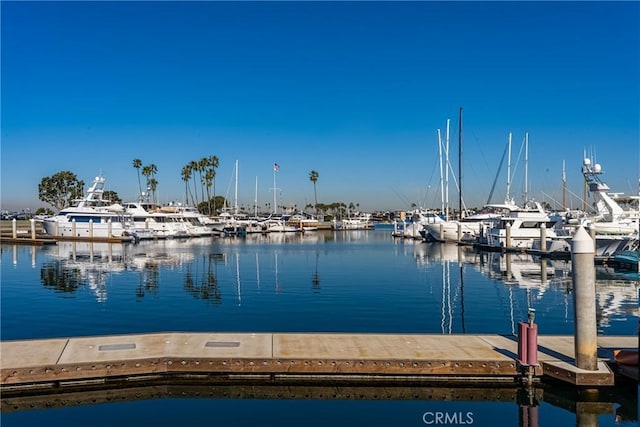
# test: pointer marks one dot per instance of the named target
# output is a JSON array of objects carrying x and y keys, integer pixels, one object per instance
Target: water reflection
[
  {"x": 341, "y": 272},
  {"x": 551, "y": 405},
  {"x": 76, "y": 264},
  {"x": 617, "y": 292}
]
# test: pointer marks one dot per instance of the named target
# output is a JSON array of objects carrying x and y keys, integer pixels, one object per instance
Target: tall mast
[
  {"x": 441, "y": 174},
  {"x": 526, "y": 167},
  {"x": 584, "y": 191},
  {"x": 446, "y": 156},
  {"x": 509, "y": 171},
  {"x": 564, "y": 188},
  {"x": 460, "y": 163},
  {"x": 255, "y": 200},
  {"x": 235, "y": 203},
  {"x": 275, "y": 169}
]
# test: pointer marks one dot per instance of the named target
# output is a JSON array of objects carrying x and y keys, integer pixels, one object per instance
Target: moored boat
[{"x": 91, "y": 217}]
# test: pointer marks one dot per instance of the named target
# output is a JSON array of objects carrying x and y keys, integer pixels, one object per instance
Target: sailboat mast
[
  {"x": 441, "y": 174},
  {"x": 509, "y": 170},
  {"x": 274, "y": 188},
  {"x": 255, "y": 200},
  {"x": 526, "y": 167},
  {"x": 446, "y": 156},
  {"x": 235, "y": 203},
  {"x": 564, "y": 188},
  {"x": 460, "y": 163}
]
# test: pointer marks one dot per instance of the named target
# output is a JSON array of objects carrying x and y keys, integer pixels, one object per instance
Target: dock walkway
[{"x": 54, "y": 363}]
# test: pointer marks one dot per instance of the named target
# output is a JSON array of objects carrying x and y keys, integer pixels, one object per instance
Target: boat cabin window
[
  {"x": 84, "y": 218},
  {"x": 530, "y": 224}
]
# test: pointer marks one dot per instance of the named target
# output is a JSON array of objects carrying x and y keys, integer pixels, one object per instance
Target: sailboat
[
  {"x": 227, "y": 223},
  {"x": 469, "y": 228}
]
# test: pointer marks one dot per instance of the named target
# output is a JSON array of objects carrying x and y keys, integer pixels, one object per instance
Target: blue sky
[{"x": 353, "y": 90}]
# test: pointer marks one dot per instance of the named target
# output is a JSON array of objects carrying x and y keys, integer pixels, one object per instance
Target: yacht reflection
[
  {"x": 615, "y": 297},
  {"x": 616, "y": 292},
  {"x": 80, "y": 264},
  {"x": 433, "y": 253},
  {"x": 74, "y": 265},
  {"x": 276, "y": 238},
  {"x": 527, "y": 272}
]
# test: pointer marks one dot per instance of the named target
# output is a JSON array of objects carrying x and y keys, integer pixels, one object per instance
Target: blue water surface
[{"x": 326, "y": 281}]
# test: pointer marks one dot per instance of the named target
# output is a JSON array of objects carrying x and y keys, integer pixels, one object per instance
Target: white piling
[
  {"x": 14, "y": 228},
  {"x": 584, "y": 300},
  {"x": 33, "y": 229},
  {"x": 592, "y": 233},
  {"x": 543, "y": 238},
  {"x": 507, "y": 243}
]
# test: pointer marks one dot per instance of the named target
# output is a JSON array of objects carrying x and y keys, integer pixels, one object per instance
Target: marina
[{"x": 320, "y": 214}]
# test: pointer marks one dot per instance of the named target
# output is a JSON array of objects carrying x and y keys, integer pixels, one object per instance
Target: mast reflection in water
[{"x": 360, "y": 281}]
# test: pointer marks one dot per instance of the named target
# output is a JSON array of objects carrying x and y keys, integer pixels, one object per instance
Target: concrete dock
[{"x": 471, "y": 359}]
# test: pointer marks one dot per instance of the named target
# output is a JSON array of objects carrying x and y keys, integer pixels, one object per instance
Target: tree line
[{"x": 62, "y": 188}]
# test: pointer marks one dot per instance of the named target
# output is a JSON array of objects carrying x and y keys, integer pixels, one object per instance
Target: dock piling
[{"x": 584, "y": 301}]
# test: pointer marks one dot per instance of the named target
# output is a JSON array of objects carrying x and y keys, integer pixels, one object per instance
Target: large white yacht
[
  {"x": 91, "y": 217},
  {"x": 612, "y": 227},
  {"x": 610, "y": 218}
]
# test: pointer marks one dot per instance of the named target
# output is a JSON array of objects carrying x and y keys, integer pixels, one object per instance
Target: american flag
[{"x": 276, "y": 167}]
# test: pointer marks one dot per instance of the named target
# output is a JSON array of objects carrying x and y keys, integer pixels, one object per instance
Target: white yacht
[
  {"x": 418, "y": 222},
  {"x": 91, "y": 217},
  {"x": 610, "y": 218},
  {"x": 278, "y": 224},
  {"x": 523, "y": 226},
  {"x": 195, "y": 223},
  {"x": 612, "y": 227},
  {"x": 469, "y": 228},
  {"x": 149, "y": 216},
  {"x": 361, "y": 221},
  {"x": 229, "y": 225}
]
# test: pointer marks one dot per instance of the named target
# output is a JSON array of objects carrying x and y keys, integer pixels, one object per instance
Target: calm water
[{"x": 357, "y": 281}]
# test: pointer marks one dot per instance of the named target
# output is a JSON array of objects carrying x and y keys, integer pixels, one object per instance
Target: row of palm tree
[
  {"x": 149, "y": 172},
  {"x": 202, "y": 172},
  {"x": 205, "y": 168}
]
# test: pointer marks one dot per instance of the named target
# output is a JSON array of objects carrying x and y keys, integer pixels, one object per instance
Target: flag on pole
[{"x": 276, "y": 167}]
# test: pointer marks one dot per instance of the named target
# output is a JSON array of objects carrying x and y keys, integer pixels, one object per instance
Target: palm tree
[
  {"x": 208, "y": 179},
  {"x": 214, "y": 162},
  {"x": 153, "y": 184},
  {"x": 202, "y": 167},
  {"x": 186, "y": 176},
  {"x": 313, "y": 177},
  {"x": 193, "y": 165},
  {"x": 137, "y": 163},
  {"x": 149, "y": 172}
]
